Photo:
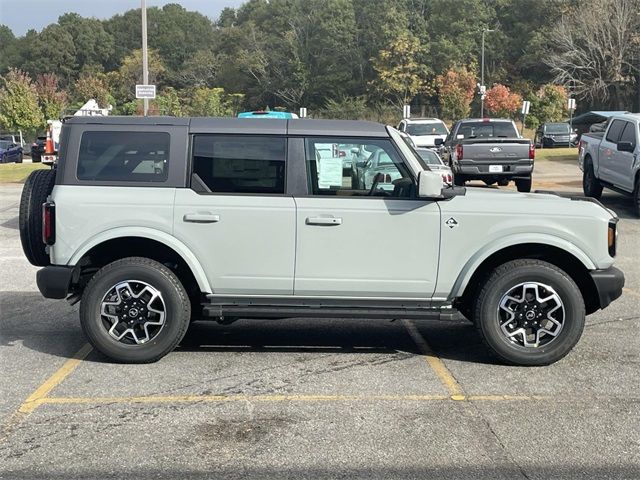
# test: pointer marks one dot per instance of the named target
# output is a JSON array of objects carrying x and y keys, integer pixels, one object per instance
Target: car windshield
[
  {"x": 418, "y": 129},
  {"x": 481, "y": 129},
  {"x": 557, "y": 128},
  {"x": 4, "y": 144},
  {"x": 429, "y": 156}
]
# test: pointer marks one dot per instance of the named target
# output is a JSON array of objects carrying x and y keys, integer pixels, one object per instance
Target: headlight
[{"x": 612, "y": 238}]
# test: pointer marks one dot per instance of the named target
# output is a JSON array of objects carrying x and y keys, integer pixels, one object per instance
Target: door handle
[
  {"x": 323, "y": 221},
  {"x": 201, "y": 218}
]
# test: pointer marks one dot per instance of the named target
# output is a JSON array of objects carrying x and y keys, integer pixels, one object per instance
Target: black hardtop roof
[{"x": 260, "y": 126}]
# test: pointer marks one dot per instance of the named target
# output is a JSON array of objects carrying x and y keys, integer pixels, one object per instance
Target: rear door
[
  {"x": 364, "y": 242},
  {"x": 607, "y": 151},
  {"x": 236, "y": 217}
]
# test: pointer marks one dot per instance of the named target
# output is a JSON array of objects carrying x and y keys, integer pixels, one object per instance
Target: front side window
[
  {"x": 629, "y": 134},
  {"x": 613, "y": 134},
  {"x": 123, "y": 156},
  {"x": 240, "y": 163},
  {"x": 368, "y": 167}
]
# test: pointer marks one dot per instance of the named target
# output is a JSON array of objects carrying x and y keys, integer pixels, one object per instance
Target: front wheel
[
  {"x": 135, "y": 310},
  {"x": 529, "y": 312},
  {"x": 20, "y": 158},
  {"x": 524, "y": 185},
  {"x": 458, "y": 180}
]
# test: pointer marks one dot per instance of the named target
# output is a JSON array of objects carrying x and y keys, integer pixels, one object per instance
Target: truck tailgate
[{"x": 492, "y": 150}]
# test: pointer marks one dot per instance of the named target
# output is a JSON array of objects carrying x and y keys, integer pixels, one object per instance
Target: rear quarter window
[{"x": 123, "y": 156}]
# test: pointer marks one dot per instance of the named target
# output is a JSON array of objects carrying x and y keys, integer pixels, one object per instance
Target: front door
[
  {"x": 364, "y": 235},
  {"x": 236, "y": 217},
  {"x": 622, "y": 165},
  {"x": 607, "y": 152}
]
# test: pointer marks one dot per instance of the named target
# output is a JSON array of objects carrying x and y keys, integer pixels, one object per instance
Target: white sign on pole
[
  {"x": 571, "y": 104},
  {"x": 303, "y": 112},
  {"x": 526, "y": 105},
  {"x": 406, "y": 111},
  {"x": 146, "y": 91},
  {"x": 483, "y": 89}
]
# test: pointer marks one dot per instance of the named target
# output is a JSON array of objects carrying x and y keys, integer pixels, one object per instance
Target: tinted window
[
  {"x": 557, "y": 128},
  {"x": 487, "y": 130},
  {"x": 629, "y": 134},
  {"x": 124, "y": 156},
  {"x": 240, "y": 164},
  {"x": 435, "y": 128},
  {"x": 429, "y": 156},
  {"x": 368, "y": 163},
  {"x": 4, "y": 144},
  {"x": 614, "y": 131}
]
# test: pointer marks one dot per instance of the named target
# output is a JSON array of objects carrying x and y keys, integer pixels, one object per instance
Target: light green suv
[{"x": 154, "y": 222}]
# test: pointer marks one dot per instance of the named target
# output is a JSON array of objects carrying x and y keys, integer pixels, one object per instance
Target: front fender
[
  {"x": 152, "y": 234},
  {"x": 509, "y": 241}
]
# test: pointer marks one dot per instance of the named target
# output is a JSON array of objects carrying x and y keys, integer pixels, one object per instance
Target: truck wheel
[
  {"x": 524, "y": 185},
  {"x": 135, "y": 310},
  {"x": 458, "y": 180},
  {"x": 36, "y": 189},
  {"x": 590, "y": 184},
  {"x": 529, "y": 312},
  {"x": 636, "y": 198}
]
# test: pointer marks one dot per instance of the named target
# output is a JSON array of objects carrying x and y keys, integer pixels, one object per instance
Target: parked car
[
  {"x": 424, "y": 131},
  {"x": 610, "y": 159},
  {"x": 435, "y": 163},
  {"x": 491, "y": 150},
  {"x": 378, "y": 171},
  {"x": 37, "y": 149},
  {"x": 154, "y": 222},
  {"x": 10, "y": 152},
  {"x": 15, "y": 138},
  {"x": 558, "y": 134}
]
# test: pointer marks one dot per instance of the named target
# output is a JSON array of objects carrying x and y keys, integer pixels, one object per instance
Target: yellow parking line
[
  {"x": 437, "y": 365},
  {"x": 40, "y": 394},
  {"x": 631, "y": 292}
]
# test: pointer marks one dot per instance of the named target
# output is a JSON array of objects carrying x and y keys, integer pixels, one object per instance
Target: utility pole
[
  {"x": 145, "y": 60},
  {"x": 482, "y": 85}
]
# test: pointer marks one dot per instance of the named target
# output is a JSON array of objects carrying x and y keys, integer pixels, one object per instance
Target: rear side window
[
  {"x": 240, "y": 164},
  {"x": 124, "y": 156},
  {"x": 613, "y": 134},
  {"x": 629, "y": 134}
]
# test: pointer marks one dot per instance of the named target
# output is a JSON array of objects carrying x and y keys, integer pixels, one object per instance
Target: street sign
[
  {"x": 483, "y": 89},
  {"x": 146, "y": 91},
  {"x": 571, "y": 104},
  {"x": 406, "y": 111},
  {"x": 525, "y": 107},
  {"x": 303, "y": 112}
]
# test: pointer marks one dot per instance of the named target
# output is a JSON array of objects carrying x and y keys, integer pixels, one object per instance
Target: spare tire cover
[{"x": 36, "y": 189}]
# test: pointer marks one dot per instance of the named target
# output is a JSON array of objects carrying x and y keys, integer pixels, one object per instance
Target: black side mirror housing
[
  {"x": 626, "y": 147},
  {"x": 438, "y": 142}
]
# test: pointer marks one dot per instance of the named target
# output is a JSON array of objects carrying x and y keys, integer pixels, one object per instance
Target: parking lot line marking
[
  {"x": 631, "y": 292},
  {"x": 36, "y": 398},
  {"x": 437, "y": 365}
]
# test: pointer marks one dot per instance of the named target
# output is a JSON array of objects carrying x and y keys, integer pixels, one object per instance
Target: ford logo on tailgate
[{"x": 495, "y": 149}]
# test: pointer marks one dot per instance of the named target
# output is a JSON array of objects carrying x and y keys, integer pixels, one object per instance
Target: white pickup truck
[{"x": 610, "y": 159}]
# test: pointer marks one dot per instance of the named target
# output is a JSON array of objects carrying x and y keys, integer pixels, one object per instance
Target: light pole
[
  {"x": 482, "y": 86},
  {"x": 145, "y": 60}
]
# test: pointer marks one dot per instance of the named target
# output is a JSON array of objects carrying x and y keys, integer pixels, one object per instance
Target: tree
[
  {"x": 212, "y": 102},
  {"x": 500, "y": 101},
  {"x": 456, "y": 89},
  {"x": 52, "y": 50},
  {"x": 595, "y": 51},
  {"x": 400, "y": 75},
  {"x": 549, "y": 104},
  {"x": 169, "y": 103},
  {"x": 91, "y": 86},
  {"x": 93, "y": 45},
  {"x": 52, "y": 100},
  {"x": 19, "y": 103}
]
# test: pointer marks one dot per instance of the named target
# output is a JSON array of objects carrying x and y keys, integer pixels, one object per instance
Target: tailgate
[{"x": 495, "y": 149}]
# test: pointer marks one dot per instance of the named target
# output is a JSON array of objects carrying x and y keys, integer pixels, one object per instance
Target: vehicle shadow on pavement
[{"x": 11, "y": 223}]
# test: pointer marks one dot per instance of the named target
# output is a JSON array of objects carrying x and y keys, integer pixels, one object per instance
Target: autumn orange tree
[
  {"x": 502, "y": 102},
  {"x": 455, "y": 92}
]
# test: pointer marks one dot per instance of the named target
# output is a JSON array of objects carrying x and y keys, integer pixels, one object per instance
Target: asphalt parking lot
[{"x": 316, "y": 398}]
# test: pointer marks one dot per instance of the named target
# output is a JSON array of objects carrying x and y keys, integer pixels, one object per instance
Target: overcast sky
[{"x": 22, "y": 15}]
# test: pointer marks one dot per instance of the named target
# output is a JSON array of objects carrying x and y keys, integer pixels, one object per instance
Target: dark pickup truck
[{"x": 490, "y": 150}]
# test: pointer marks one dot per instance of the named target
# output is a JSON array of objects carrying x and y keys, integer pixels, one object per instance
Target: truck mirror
[
  {"x": 626, "y": 147},
  {"x": 438, "y": 141},
  {"x": 429, "y": 184}
]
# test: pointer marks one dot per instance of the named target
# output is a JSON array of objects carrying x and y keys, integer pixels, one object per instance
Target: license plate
[{"x": 495, "y": 168}]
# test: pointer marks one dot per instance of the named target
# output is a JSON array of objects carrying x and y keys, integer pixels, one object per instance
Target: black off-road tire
[
  {"x": 36, "y": 189},
  {"x": 636, "y": 198},
  {"x": 178, "y": 310},
  {"x": 524, "y": 185},
  {"x": 459, "y": 180},
  {"x": 590, "y": 184},
  {"x": 509, "y": 275}
]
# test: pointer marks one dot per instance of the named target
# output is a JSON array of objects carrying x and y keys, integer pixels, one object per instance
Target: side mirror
[
  {"x": 626, "y": 147},
  {"x": 429, "y": 184},
  {"x": 355, "y": 151},
  {"x": 438, "y": 142},
  {"x": 459, "y": 137},
  {"x": 361, "y": 164}
]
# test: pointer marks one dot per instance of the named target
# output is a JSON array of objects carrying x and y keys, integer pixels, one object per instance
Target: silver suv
[{"x": 154, "y": 222}]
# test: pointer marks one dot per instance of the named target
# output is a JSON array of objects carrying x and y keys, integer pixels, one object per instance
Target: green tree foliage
[
  {"x": 52, "y": 51},
  {"x": 93, "y": 86},
  {"x": 549, "y": 104},
  {"x": 19, "y": 108},
  {"x": 212, "y": 102},
  {"x": 52, "y": 100},
  {"x": 93, "y": 45}
]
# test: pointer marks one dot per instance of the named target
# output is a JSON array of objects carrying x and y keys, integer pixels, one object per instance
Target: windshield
[
  {"x": 418, "y": 129},
  {"x": 4, "y": 144},
  {"x": 482, "y": 129},
  {"x": 557, "y": 128},
  {"x": 429, "y": 156}
]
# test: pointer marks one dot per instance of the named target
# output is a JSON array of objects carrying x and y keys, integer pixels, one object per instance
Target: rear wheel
[
  {"x": 529, "y": 312},
  {"x": 590, "y": 184},
  {"x": 34, "y": 193},
  {"x": 135, "y": 310},
  {"x": 636, "y": 198},
  {"x": 524, "y": 185},
  {"x": 458, "y": 180}
]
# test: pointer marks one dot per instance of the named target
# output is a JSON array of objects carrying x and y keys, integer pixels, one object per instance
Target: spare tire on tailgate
[{"x": 35, "y": 192}]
